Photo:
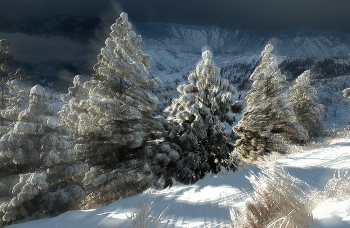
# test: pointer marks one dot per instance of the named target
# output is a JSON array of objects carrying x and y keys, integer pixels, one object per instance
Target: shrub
[
  {"x": 337, "y": 187},
  {"x": 276, "y": 202}
]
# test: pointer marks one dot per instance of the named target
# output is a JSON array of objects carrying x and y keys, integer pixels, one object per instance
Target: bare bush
[
  {"x": 277, "y": 201},
  {"x": 142, "y": 217},
  {"x": 337, "y": 187}
]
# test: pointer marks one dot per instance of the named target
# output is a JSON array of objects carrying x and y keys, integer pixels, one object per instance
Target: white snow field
[{"x": 207, "y": 203}]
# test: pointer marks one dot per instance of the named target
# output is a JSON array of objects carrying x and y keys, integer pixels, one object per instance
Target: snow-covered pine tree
[
  {"x": 7, "y": 83},
  {"x": 37, "y": 163},
  {"x": 307, "y": 111},
  {"x": 70, "y": 111},
  {"x": 268, "y": 116},
  {"x": 16, "y": 101},
  {"x": 196, "y": 119},
  {"x": 115, "y": 120},
  {"x": 5, "y": 57}
]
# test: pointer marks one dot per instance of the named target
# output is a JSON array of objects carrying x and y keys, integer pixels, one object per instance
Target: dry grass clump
[
  {"x": 142, "y": 217},
  {"x": 337, "y": 187},
  {"x": 334, "y": 134},
  {"x": 269, "y": 158},
  {"x": 276, "y": 202}
]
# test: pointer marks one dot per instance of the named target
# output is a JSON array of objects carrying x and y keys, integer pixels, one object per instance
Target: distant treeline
[{"x": 239, "y": 73}]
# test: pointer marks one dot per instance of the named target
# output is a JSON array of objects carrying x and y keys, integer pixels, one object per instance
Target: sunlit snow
[{"x": 207, "y": 203}]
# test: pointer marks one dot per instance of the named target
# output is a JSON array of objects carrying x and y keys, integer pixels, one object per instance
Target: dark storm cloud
[
  {"x": 247, "y": 14},
  {"x": 234, "y": 14},
  {"x": 16, "y": 10},
  {"x": 39, "y": 49}
]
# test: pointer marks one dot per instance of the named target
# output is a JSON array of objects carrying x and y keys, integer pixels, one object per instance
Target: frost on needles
[
  {"x": 37, "y": 161},
  {"x": 307, "y": 111},
  {"x": 111, "y": 116},
  {"x": 16, "y": 101},
  {"x": 196, "y": 122},
  {"x": 10, "y": 91},
  {"x": 269, "y": 119}
]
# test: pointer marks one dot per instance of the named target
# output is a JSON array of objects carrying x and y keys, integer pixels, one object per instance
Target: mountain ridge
[{"x": 293, "y": 42}]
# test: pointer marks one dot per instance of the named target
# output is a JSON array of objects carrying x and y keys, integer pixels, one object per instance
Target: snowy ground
[{"x": 207, "y": 203}]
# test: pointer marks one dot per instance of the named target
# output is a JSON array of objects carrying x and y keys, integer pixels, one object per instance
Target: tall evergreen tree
[
  {"x": 269, "y": 117},
  {"x": 7, "y": 82},
  {"x": 115, "y": 120},
  {"x": 196, "y": 122},
  {"x": 37, "y": 162},
  {"x": 307, "y": 111},
  {"x": 5, "y": 57},
  {"x": 16, "y": 101}
]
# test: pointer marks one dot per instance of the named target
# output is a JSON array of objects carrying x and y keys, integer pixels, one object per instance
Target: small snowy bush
[
  {"x": 142, "y": 218},
  {"x": 337, "y": 187},
  {"x": 277, "y": 202}
]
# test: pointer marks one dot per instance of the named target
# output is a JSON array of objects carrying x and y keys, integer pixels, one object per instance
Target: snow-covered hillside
[
  {"x": 207, "y": 203},
  {"x": 337, "y": 108}
]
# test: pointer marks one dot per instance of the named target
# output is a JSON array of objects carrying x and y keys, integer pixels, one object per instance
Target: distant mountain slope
[{"x": 294, "y": 42}]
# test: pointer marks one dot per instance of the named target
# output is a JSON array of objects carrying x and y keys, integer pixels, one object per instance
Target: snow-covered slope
[
  {"x": 207, "y": 203},
  {"x": 337, "y": 108}
]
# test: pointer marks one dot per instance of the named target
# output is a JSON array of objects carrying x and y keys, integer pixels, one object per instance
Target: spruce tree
[
  {"x": 16, "y": 101},
  {"x": 269, "y": 118},
  {"x": 37, "y": 164},
  {"x": 70, "y": 111},
  {"x": 307, "y": 111},
  {"x": 7, "y": 83},
  {"x": 5, "y": 57},
  {"x": 196, "y": 122},
  {"x": 112, "y": 115}
]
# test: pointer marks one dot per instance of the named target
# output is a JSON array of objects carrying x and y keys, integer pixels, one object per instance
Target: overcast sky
[
  {"x": 235, "y": 14},
  {"x": 263, "y": 15}
]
